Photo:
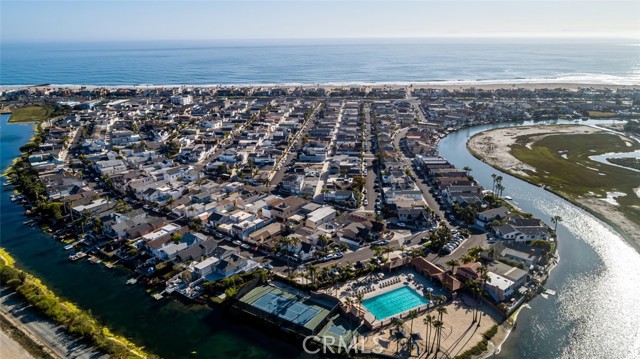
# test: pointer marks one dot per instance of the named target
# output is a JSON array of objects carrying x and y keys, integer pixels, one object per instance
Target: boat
[
  {"x": 68, "y": 247},
  {"x": 7, "y": 186},
  {"x": 508, "y": 198},
  {"x": 29, "y": 222},
  {"x": 79, "y": 255},
  {"x": 14, "y": 198}
]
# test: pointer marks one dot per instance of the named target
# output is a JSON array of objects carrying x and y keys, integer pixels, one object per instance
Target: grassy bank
[
  {"x": 562, "y": 163},
  {"x": 557, "y": 174},
  {"x": 30, "y": 113},
  {"x": 76, "y": 321}
]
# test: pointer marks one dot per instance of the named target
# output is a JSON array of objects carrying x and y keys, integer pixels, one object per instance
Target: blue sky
[{"x": 119, "y": 20}]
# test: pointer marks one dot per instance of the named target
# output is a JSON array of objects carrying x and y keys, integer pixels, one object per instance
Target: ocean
[{"x": 382, "y": 61}]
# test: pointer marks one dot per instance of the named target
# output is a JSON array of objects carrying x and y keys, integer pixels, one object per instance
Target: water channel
[{"x": 595, "y": 312}]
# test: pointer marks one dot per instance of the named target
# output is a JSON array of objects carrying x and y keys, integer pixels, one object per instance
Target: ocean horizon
[{"x": 277, "y": 62}]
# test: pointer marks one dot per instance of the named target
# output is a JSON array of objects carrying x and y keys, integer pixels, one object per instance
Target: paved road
[
  {"x": 9, "y": 348},
  {"x": 47, "y": 332}
]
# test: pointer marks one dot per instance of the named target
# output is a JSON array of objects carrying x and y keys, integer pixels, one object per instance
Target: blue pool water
[{"x": 394, "y": 302}]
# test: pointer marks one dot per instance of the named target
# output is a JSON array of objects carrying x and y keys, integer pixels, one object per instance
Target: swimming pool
[{"x": 394, "y": 302}]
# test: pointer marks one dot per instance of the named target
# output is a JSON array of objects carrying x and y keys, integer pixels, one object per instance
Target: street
[{"x": 50, "y": 334}]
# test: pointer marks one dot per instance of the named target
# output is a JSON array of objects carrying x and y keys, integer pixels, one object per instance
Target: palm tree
[
  {"x": 467, "y": 258},
  {"x": 472, "y": 284},
  {"x": 430, "y": 295},
  {"x": 441, "y": 312},
  {"x": 453, "y": 264},
  {"x": 284, "y": 246},
  {"x": 437, "y": 325},
  {"x": 555, "y": 219},
  {"x": 359, "y": 299},
  {"x": 397, "y": 323},
  {"x": 428, "y": 321},
  {"x": 467, "y": 169},
  {"x": 312, "y": 272},
  {"x": 349, "y": 302},
  {"x": 387, "y": 250},
  {"x": 411, "y": 316},
  {"x": 499, "y": 187},
  {"x": 493, "y": 187},
  {"x": 475, "y": 252},
  {"x": 484, "y": 278}
]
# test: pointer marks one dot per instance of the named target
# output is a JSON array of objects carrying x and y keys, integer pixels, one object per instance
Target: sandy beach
[
  {"x": 493, "y": 147},
  {"x": 444, "y": 85}
]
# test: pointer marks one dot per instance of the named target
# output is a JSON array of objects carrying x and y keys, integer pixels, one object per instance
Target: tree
[
  {"x": 437, "y": 325},
  {"x": 467, "y": 169},
  {"x": 555, "y": 219},
  {"x": 453, "y": 263},
  {"x": 312, "y": 272},
  {"x": 475, "y": 252},
  {"x": 428, "y": 322},
  {"x": 285, "y": 246},
  {"x": 483, "y": 272},
  {"x": 493, "y": 186},
  {"x": 468, "y": 259},
  {"x": 397, "y": 323},
  {"x": 359, "y": 299},
  {"x": 349, "y": 303},
  {"x": 472, "y": 285},
  {"x": 411, "y": 316}
]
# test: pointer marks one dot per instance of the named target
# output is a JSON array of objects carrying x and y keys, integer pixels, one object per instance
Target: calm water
[
  {"x": 167, "y": 328},
  {"x": 596, "y": 311},
  {"x": 362, "y": 61},
  {"x": 396, "y": 301}
]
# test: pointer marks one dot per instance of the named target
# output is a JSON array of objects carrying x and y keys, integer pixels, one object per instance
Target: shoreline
[
  {"x": 622, "y": 230},
  {"x": 436, "y": 85}
]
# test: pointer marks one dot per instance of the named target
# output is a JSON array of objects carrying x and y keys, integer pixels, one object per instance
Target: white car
[{"x": 366, "y": 202}]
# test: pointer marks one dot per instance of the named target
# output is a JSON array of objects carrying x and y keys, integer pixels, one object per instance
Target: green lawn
[
  {"x": 32, "y": 113},
  {"x": 577, "y": 175}
]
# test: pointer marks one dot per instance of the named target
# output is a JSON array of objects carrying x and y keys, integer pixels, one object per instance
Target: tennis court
[
  {"x": 286, "y": 308},
  {"x": 290, "y": 305}
]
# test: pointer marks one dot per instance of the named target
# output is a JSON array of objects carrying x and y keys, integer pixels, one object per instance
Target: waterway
[
  {"x": 595, "y": 312},
  {"x": 167, "y": 328}
]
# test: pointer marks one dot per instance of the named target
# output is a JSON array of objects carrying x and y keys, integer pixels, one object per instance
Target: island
[{"x": 323, "y": 212}]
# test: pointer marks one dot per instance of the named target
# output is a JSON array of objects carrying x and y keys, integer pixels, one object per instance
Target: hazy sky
[{"x": 57, "y": 20}]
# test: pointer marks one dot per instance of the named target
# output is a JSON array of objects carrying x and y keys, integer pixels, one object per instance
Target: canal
[
  {"x": 595, "y": 312},
  {"x": 167, "y": 328}
]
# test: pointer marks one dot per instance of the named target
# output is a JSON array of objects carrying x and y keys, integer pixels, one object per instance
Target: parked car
[{"x": 237, "y": 242}]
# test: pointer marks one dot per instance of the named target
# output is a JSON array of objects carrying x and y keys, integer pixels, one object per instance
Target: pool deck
[
  {"x": 373, "y": 286},
  {"x": 459, "y": 333}
]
